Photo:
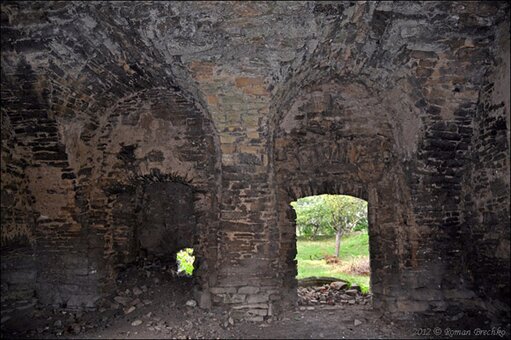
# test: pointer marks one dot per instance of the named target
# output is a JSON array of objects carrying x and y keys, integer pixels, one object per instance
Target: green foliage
[
  {"x": 325, "y": 214},
  {"x": 310, "y": 255},
  {"x": 312, "y": 216},
  {"x": 185, "y": 261},
  {"x": 362, "y": 225}
]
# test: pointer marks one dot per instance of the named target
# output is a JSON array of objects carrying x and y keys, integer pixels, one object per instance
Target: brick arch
[
  {"x": 155, "y": 135},
  {"x": 79, "y": 171},
  {"x": 326, "y": 186},
  {"x": 419, "y": 115},
  {"x": 390, "y": 238},
  {"x": 324, "y": 146}
]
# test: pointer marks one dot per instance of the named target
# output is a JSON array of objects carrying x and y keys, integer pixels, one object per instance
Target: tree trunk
[{"x": 338, "y": 242}]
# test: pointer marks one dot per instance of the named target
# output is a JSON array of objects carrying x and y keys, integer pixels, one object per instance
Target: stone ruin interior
[{"x": 131, "y": 130}]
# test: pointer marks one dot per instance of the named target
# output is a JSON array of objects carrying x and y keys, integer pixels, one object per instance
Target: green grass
[{"x": 311, "y": 252}]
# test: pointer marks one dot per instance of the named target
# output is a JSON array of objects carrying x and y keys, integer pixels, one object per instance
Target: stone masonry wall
[
  {"x": 49, "y": 187},
  {"x": 18, "y": 263},
  {"x": 487, "y": 187},
  {"x": 147, "y": 138},
  {"x": 422, "y": 111},
  {"x": 251, "y": 105},
  {"x": 325, "y": 145}
]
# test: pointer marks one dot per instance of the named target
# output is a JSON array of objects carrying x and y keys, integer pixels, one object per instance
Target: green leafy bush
[{"x": 185, "y": 261}]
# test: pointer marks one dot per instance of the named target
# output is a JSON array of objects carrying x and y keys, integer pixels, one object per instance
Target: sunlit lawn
[{"x": 311, "y": 263}]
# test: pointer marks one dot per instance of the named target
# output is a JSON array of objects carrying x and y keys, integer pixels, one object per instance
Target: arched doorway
[
  {"x": 323, "y": 146},
  {"x": 332, "y": 249}
]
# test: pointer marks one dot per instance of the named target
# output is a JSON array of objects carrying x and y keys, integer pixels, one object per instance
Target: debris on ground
[{"x": 334, "y": 293}]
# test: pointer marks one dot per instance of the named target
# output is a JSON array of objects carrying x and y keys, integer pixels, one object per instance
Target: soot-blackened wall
[
  {"x": 167, "y": 221},
  {"x": 106, "y": 106}
]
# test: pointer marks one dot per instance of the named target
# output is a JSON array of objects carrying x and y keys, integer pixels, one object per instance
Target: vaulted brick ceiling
[{"x": 403, "y": 103}]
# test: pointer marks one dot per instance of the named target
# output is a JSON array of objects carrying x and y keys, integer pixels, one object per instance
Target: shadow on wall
[{"x": 166, "y": 220}]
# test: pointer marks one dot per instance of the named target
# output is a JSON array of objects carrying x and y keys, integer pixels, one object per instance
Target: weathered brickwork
[
  {"x": 487, "y": 189},
  {"x": 18, "y": 268},
  {"x": 137, "y": 128}
]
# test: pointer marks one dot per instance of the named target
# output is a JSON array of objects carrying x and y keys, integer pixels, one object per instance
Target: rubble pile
[{"x": 334, "y": 293}]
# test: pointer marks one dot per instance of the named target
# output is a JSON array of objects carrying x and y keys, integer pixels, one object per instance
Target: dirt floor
[{"x": 152, "y": 302}]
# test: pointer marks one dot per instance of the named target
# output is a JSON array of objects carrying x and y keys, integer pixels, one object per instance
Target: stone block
[
  {"x": 204, "y": 300},
  {"x": 203, "y": 70},
  {"x": 248, "y": 290},
  {"x": 235, "y": 298},
  {"x": 261, "y": 312},
  {"x": 248, "y": 81},
  {"x": 252, "y": 306},
  {"x": 257, "y": 298},
  {"x": 212, "y": 100},
  {"x": 228, "y": 148},
  {"x": 275, "y": 297},
  {"x": 256, "y": 150},
  {"x": 253, "y": 134},
  {"x": 227, "y": 139},
  {"x": 223, "y": 290}
]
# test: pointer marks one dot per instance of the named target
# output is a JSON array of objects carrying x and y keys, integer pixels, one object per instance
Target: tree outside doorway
[{"x": 332, "y": 238}]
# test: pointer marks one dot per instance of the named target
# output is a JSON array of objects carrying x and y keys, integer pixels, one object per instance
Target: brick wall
[{"x": 258, "y": 103}]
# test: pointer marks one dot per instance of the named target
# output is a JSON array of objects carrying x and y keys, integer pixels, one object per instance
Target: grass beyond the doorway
[{"x": 311, "y": 257}]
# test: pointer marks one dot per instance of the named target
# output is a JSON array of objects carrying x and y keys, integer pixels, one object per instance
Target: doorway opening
[
  {"x": 333, "y": 263},
  {"x": 164, "y": 255}
]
